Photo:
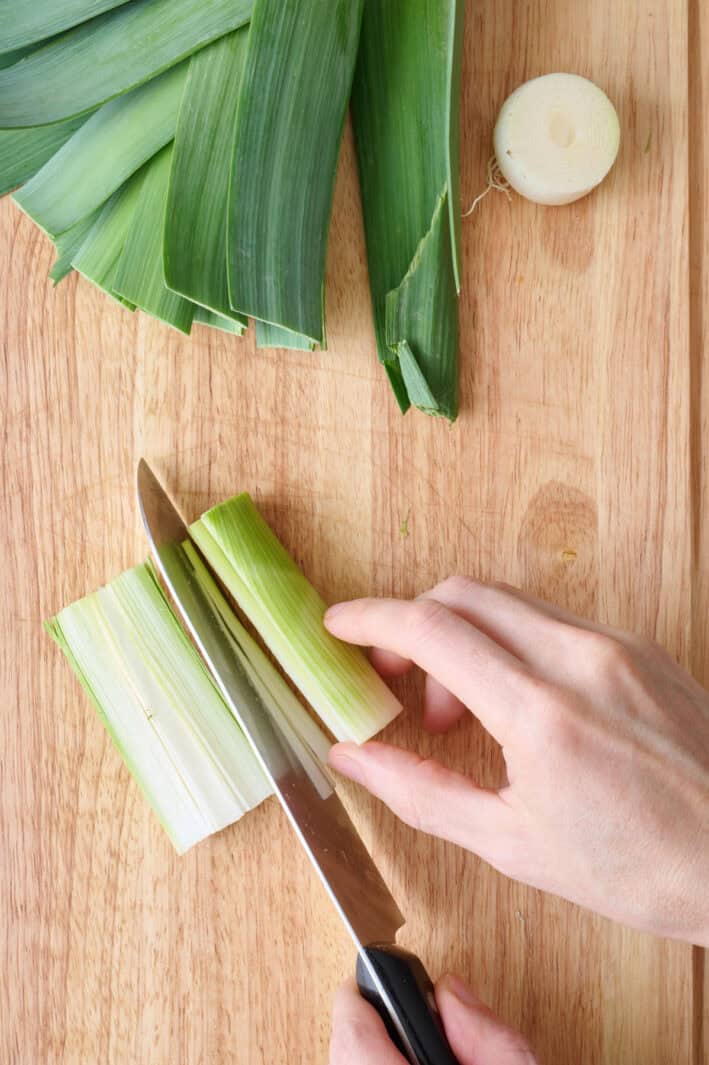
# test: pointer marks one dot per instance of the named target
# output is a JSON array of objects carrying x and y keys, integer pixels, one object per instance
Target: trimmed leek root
[
  {"x": 336, "y": 678},
  {"x": 556, "y": 138}
]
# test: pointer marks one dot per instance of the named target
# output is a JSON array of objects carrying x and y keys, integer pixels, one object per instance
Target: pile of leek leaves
[{"x": 181, "y": 155}]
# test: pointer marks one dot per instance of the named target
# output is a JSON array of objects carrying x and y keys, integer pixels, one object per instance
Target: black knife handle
[{"x": 410, "y": 992}]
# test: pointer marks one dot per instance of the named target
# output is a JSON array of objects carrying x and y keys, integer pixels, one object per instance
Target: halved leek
[
  {"x": 405, "y": 113},
  {"x": 109, "y": 55},
  {"x": 161, "y": 707},
  {"x": 100, "y": 156},
  {"x": 139, "y": 274},
  {"x": 293, "y": 100},
  {"x": 336, "y": 678}
]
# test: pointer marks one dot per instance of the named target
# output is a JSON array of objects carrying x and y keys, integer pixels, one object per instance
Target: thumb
[
  {"x": 427, "y": 796},
  {"x": 476, "y": 1035}
]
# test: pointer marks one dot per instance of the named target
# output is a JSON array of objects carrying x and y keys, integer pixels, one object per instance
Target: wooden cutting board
[{"x": 577, "y": 469}]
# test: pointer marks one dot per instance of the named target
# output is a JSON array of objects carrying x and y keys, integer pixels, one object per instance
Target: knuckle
[
  {"x": 426, "y": 617},
  {"x": 349, "y": 1037},
  {"x": 456, "y": 586},
  {"x": 421, "y": 800},
  {"x": 609, "y": 657}
]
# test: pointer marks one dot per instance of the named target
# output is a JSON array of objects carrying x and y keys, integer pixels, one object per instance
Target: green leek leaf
[
  {"x": 24, "y": 22},
  {"x": 139, "y": 276},
  {"x": 405, "y": 114},
  {"x": 67, "y": 246},
  {"x": 24, "y": 151},
  {"x": 109, "y": 55},
  {"x": 194, "y": 242},
  {"x": 336, "y": 678},
  {"x": 294, "y": 95},
  {"x": 203, "y": 316},
  {"x": 431, "y": 375},
  {"x": 97, "y": 258},
  {"x": 273, "y": 336},
  {"x": 101, "y": 155}
]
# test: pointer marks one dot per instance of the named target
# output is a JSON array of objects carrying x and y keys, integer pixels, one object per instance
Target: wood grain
[{"x": 577, "y": 469}]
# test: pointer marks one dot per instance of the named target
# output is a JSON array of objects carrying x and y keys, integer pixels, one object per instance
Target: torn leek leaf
[
  {"x": 67, "y": 246},
  {"x": 203, "y": 316},
  {"x": 336, "y": 678},
  {"x": 273, "y": 336},
  {"x": 24, "y": 151},
  {"x": 100, "y": 156},
  {"x": 194, "y": 241},
  {"x": 139, "y": 275},
  {"x": 24, "y": 22},
  {"x": 160, "y": 706},
  {"x": 294, "y": 94},
  {"x": 405, "y": 114},
  {"x": 109, "y": 55},
  {"x": 98, "y": 256}
]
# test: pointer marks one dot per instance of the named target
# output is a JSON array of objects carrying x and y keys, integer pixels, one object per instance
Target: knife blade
[{"x": 393, "y": 980}]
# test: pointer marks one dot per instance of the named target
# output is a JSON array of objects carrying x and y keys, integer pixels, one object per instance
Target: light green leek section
[
  {"x": 109, "y": 55},
  {"x": 103, "y": 154},
  {"x": 24, "y": 22},
  {"x": 160, "y": 706},
  {"x": 294, "y": 95},
  {"x": 194, "y": 242},
  {"x": 336, "y": 678},
  {"x": 139, "y": 275},
  {"x": 405, "y": 115}
]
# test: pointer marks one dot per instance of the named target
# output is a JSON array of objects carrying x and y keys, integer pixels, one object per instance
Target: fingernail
[
  {"x": 333, "y": 611},
  {"x": 460, "y": 990},
  {"x": 345, "y": 758}
]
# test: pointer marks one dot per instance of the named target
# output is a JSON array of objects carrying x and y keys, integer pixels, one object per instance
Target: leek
[
  {"x": 335, "y": 678},
  {"x": 139, "y": 274},
  {"x": 160, "y": 707},
  {"x": 109, "y": 55},
  {"x": 104, "y": 153},
  {"x": 24, "y": 22},
  {"x": 294, "y": 93},
  {"x": 405, "y": 115},
  {"x": 194, "y": 242}
]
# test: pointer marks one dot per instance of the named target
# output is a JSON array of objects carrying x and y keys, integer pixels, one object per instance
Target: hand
[
  {"x": 605, "y": 739},
  {"x": 476, "y": 1036}
]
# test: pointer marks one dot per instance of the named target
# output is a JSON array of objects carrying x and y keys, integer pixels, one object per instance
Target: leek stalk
[
  {"x": 160, "y": 707},
  {"x": 267, "y": 585}
]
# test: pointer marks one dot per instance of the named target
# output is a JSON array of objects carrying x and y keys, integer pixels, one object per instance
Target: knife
[{"x": 394, "y": 981}]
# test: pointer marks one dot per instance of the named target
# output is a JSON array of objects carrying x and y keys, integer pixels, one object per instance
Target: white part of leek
[
  {"x": 556, "y": 138},
  {"x": 160, "y": 706}
]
